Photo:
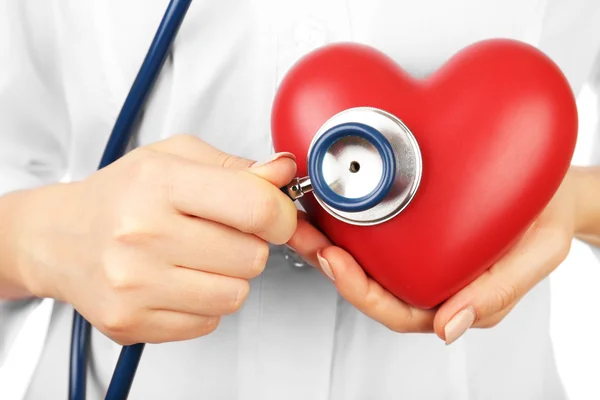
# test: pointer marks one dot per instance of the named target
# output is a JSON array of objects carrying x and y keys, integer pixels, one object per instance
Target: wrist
[
  {"x": 13, "y": 283},
  {"x": 30, "y": 220}
]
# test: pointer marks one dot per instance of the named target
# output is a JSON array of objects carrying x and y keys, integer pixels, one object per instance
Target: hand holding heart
[
  {"x": 493, "y": 214},
  {"x": 481, "y": 304}
]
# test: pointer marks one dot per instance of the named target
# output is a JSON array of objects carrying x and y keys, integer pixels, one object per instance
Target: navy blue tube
[
  {"x": 115, "y": 148},
  {"x": 80, "y": 338},
  {"x": 120, "y": 385},
  {"x": 155, "y": 58}
]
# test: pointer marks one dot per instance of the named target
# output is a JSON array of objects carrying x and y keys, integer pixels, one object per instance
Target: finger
[
  {"x": 532, "y": 259},
  {"x": 308, "y": 240},
  {"x": 369, "y": 297},
  {"x": 495, "y": 319},
  {"x": 197, "y": 150},
  {"x": 279, "y": 169},
  {"x": 162, "y": 326},
  {"x": 302, "y": 215},
  {"x": 235, "y": 198},
  {"x": 196, "y": 292},
  {"x": 211, "y": 247}
]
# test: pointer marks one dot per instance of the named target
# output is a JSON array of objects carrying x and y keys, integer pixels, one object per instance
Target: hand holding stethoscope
[
  {"x": 352, "y": 168},
  {"x": 154, "y": 260}
]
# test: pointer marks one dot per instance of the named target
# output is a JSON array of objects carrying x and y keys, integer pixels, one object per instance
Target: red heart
[{"x": 497, "y": 127}]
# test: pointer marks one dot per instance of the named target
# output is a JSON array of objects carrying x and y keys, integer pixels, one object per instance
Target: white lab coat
[{"x": 65, "y": 69}]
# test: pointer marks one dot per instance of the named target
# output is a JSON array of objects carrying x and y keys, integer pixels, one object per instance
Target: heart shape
[{"x": 496, "y": 126}]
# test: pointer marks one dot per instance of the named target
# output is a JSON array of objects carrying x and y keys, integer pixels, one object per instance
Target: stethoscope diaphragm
[{"x": 364, "y": 167}]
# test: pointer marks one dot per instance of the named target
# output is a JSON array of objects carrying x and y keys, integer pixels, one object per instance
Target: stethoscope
[{"x": 364, "y": 168}]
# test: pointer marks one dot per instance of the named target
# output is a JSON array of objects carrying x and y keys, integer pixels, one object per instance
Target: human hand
[
  {"x": 481, "y": 304},
  {"x": 159, "y": 245},
  {"x": 354, "y": 285},
  {"x": 488, "y": 299}
]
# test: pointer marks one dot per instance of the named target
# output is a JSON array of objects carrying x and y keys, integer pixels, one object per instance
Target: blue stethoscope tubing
[{"x": 118, "y": 141}]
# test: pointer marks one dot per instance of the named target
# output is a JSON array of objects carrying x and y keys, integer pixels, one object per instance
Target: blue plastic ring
[{"x": 319, "y": 150}]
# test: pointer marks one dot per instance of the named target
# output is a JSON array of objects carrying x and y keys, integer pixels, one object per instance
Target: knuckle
[
  {"x": 289, "y": 219},
  {"x": 208, "y": 326},
  {"x": 560, "y": 241},
  {"x": 505, "y": 296},
  {"x": 120, "y": 278},
  {"x": 263, "y": 213},
  {"x": 260, "y": 259},
  {"x": 371, "y": 301},
  {"x": 397, "y": 327},
  {"x": 225, "y": 160},
  {"x": 134, "y": 228},
  {"x": 141, "y": 191},
  {"x": 407, "y": 323},
  {"x": 118, "y": 323},
  {"x": 147, "y": 167},
  {"x": 131, "y": 233},
  {"x": 124, "y": 340},
  {"x": 240, "y": 298}
]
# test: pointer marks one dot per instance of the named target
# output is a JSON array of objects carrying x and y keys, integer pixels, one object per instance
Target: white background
[{"x": 575, "y": 296}]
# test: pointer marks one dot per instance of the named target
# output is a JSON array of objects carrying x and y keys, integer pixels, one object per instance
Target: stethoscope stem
[{"x": 297, "y": 188}]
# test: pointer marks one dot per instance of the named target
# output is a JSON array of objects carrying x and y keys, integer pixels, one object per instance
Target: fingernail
[
  {"x": 325, "y": 266},
  {"x": 459, "y": 324},
  {"x": 274, "y": 157}
]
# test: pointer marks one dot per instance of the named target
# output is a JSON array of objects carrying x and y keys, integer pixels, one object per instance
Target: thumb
[
  {"x": 279, "y": 169},
  {"x": 486, "y": 300}
]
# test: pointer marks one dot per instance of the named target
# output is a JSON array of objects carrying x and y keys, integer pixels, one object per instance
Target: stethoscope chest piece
[{"x": 364, "y": 165}]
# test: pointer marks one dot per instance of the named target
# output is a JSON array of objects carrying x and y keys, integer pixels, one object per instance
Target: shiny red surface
[{"x": 497, "y": 127}]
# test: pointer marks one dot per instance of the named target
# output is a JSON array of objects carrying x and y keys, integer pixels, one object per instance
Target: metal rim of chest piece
[{"x": 355, "y": 167}]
